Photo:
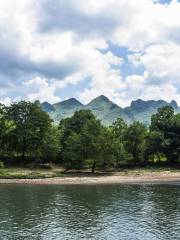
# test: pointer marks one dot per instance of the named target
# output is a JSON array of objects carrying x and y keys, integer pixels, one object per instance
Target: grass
[
  {"x": 26, "y": 173},
  {"x": 146, "y": 170}
]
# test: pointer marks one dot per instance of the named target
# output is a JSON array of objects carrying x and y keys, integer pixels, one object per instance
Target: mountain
[
  {"x": 106, "y": 110},
  {"x": 47, "y": 107},
  {"x": 69, "y": 104},
  {"x": 65, "y": 109},
  {"x": 142, "y": 111}
]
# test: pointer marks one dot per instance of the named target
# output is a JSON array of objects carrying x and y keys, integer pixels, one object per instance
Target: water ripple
[{"x": 130, "y": 212}]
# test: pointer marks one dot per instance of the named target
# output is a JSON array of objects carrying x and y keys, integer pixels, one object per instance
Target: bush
[
  {"x": 1, "y": 164},
  {"x": 47, "y": 166}
]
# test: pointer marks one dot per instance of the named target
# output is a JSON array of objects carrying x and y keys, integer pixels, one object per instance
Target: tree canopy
[{"x": 27, "y": 134}]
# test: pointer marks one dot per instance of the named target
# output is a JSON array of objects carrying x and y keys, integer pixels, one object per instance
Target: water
[{"x": 125, "y": 212}]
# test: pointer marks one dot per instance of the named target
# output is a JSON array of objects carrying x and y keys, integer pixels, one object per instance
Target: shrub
[
  {"x": 47, "y": 166},
  {"x": 1, "y": 164}
]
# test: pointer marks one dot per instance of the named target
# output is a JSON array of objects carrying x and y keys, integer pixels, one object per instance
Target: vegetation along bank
[{"x": 28, "y": 137}]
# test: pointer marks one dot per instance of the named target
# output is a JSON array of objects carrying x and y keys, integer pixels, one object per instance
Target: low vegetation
[{"x": 28, "y": 137}]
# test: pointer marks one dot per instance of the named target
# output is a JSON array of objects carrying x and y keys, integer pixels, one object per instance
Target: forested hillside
[{"x": 107, "y": 111}]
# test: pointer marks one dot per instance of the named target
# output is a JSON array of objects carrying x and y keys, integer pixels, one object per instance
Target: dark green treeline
[{"x": 28, "y": 135}]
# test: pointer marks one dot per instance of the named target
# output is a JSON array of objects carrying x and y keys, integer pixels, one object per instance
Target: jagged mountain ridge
[
  {"x": 142, "y": 111},
  {"x": 106, "y": 110}
]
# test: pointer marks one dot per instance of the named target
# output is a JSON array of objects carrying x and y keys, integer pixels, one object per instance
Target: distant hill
[
  {"x": 47, "y": 107},
  {"x": 106, "y": 110},
  {"x": 142, "y": 111},
  {"x": 65, "y": 109}
]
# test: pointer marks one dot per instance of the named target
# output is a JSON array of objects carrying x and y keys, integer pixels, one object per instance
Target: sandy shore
[{"x": 154, "y": 177}]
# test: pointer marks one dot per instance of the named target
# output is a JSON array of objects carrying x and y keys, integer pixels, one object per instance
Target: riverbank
[{"x": 25, "y": 176}]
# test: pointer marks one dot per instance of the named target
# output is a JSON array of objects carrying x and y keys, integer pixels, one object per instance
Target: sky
[{"x": 51, "y": 50}]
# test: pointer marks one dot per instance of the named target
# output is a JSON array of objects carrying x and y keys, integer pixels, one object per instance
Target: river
[{"x": 124, "y": 212}]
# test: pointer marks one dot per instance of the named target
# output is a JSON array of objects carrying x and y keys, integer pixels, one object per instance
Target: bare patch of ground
[{"x": 122, "y": 177}]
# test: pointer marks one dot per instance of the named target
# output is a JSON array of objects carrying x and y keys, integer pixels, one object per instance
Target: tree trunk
[
  {"x": 23, "y": 155},
  {"x": 23, "y": 149},
  {"x": 93, "y": 166}
]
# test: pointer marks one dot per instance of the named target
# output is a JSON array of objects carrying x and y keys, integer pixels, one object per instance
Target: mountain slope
[
  {"x": 142, "y": 111},
  {"x": 47, "y": 107},
  {"x": 65, "y": 109},
  {"x": 106, "y": 110}
]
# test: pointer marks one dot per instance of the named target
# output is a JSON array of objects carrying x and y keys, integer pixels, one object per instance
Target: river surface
[{"x": 124, "y": 212}]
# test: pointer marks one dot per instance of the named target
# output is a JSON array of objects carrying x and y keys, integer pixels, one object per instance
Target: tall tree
[
  {"x": 76, "y": 138},
  {"x": 90, "y": 135},
  {"x": 30, "y": 128},
  {"x": 79, "y": 135},
  {"x": 51, "y": 146},
  {"x": 106, "y": 148},
  {"x": 119, "y": 129},
  {"x": 154, "y": 149},
  {"x": 167, "y": 124},
  {"x": 135, "y": 144}
]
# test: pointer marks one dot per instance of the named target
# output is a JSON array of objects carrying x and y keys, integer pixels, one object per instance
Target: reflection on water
[{"x": 89, "y": 212}]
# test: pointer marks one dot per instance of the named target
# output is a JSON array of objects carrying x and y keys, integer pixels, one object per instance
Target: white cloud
[
  {"x": 6, "y": 101},
  {"x": 165, "y": 92},
  {"x": 104, "y": 78},
  {"x": 61, "y": 44},
  {"x": 161, "y": 61},
  {"x": 148, "y": 23},
  {"x": 137, "y": 82},
  {"x": 39, "y": 89}
]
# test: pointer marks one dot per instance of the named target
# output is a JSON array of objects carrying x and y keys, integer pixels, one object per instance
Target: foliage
[
  {"x": 79, "y": 136},
  {"x": 51, "y": 146},
  {"x": 81, "y": 141},
  {"x": 135, "y": 138},
  {"x": 1, "y": 164},
  {"x": 25, "y": 128},
  {"x": 119, "y": 129},
  {"x": 166, "y": 125}
]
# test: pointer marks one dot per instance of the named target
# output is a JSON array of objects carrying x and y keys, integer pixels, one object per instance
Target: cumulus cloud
[
  {"x": 39, "y": 89},
  {"x": 46, "y": 47},
  {"x": 161, "y": 61},
  {"x": 6, "y": 101},
  {"x": 166, "y": 92}
]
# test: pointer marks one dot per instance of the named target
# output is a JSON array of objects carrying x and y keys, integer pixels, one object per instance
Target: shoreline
[{"x": 144, "y": 178}]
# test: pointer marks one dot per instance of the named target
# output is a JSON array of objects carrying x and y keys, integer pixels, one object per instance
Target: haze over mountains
[{"x": 106, "y": 110}]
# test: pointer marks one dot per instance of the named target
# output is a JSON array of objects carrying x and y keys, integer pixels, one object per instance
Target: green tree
[
  {"x": 51, "y": 147},
  {"x": 154, "y": 148},
  {"x": 119, "y": 129},
  {"x": 78, "y": 137},
  {"x": 89, "y": 136},
  {"x": 6, "y": 127},
  {"x": 73, "y": 152},
  {"x": 106, "y": 151},
  {"x": 135, "y": 138},
  {"x": 167, "y": 125},
  {"x": 30, "y": 126},
  {"x": 162, "y": 120},
  {"x": 2, "y": 128}
]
